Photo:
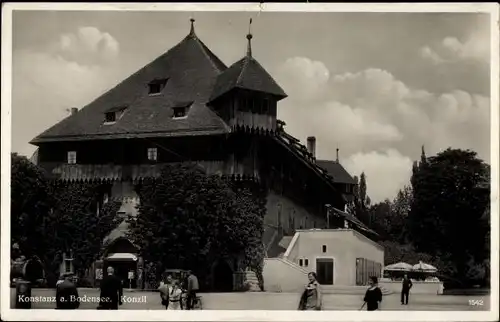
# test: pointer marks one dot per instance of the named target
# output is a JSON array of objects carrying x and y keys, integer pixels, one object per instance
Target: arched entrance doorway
[
  {"x": 222, "y": 277},
  {"x": 121, "y": 254},
  {"x": 33, "y": 270}
]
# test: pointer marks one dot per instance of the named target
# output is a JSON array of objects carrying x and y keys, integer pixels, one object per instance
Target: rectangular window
[
  {"x": 110, "y": 117},
  {"x": 265, "y": 106},
  {"x": 245, "y": 105},
  {"x": 71, "y": 157},
  {"x": 324, "y": 248},
  {"x": 179, "y": 112},
  {"x": 67, "y": 265},
  {"x": 152, "y": 154}
]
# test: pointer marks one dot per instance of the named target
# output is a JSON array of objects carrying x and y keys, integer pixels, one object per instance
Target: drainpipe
[{"x": 327, "y": 216}]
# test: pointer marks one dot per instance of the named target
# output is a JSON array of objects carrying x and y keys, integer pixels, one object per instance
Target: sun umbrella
[
  {"x": 398, "y": 267},
  {"x": 423, "y": 267}
]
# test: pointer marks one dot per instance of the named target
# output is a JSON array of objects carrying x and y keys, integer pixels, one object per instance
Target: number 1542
[{"x": 476, "y": 302}]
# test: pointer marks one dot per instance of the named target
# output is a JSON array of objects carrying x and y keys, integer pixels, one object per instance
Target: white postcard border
[{"x": 251, "y": 315}]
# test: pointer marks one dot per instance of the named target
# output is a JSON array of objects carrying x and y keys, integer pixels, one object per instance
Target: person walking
[
  {"x": 111, "y": 291},
  {"x": 373, "y": 295},
  {"x": 165, "y": 289},
  {"x": 67, "y": 294},
  {"x": 405, "y": 290},
  {"x": 311, "y": 296},
  {"x": 192, "y": 288}
]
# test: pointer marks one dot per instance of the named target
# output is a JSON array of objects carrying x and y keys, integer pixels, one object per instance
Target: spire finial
[
  {"x": 192, "y": 26},
  {"x": 337, "y": 155},
  {"x": 249, "y": 37}
]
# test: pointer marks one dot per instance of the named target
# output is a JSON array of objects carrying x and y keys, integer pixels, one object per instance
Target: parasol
[
  {"x": 401, "y": 266},
  {"x": 423, "y": 267}
]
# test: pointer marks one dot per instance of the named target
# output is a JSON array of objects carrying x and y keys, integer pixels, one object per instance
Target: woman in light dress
[{"x": 175, "y": 297}]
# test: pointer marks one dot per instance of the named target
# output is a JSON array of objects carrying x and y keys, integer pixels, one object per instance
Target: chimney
[
  {"x": 74, "y": 110},
  {"x": 311, "y": 145}
]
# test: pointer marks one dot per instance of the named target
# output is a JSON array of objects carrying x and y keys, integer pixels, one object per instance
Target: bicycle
[{"x": 197, "y": 302}]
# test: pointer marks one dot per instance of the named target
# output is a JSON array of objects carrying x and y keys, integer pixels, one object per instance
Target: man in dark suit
[
  {"x": 67, "y": 294},
  {"x": 405, "y": 291},
  {"x": 111, "y": 291}
]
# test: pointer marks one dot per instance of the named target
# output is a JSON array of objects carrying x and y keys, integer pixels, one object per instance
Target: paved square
[{"x": 273, "y": 301}]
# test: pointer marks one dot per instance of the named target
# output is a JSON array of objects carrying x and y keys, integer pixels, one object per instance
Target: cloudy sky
[{"x": 377, "y": 85}]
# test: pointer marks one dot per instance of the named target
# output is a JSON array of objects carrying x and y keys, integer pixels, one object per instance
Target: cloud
[
  {"x": 88, "y": 45},
  {"x": 475, "y": 47},
  {"x": 46, "y": 83},
  {"x": 388, "y": 168},
  {"x": 370, "y": 111},
  {"x": 304, "y": 77}
]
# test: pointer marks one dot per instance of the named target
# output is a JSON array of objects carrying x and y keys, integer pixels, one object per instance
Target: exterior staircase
[{"x": 252, "y": 280}]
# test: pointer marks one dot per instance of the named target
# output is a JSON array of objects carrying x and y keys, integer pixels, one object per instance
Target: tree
[
  {"x": 198, "y": 219},
  {"x": 381, "y": 214},
  {"x": 362, "y": 190},
  {"x": 49, "y": 217},
  {"x": 362, "y": 201},
  {"x": 445, "y": 216},
  {"x": 79, "y": 222},
  {"x": 400, "y": 209},
  {"x": 29, "y": 205}
]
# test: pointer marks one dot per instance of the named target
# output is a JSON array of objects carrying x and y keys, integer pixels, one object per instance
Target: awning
[{"x": 121, "y": 257}]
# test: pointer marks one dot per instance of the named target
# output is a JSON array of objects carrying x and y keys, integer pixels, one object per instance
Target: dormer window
[
  {"x": 110, "y": 117},
  {"x": 152, "y": 154},
  {"x": 180, "y": 109},
  {"x": 113, "y": 114},
  {"x": 179, "y": 112},
  {"x": 71, "y": 157},
  {"x": 157, "y": 85}
]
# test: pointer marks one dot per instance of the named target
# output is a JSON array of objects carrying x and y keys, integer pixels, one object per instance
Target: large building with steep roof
[{"x": 187, "y": 105}]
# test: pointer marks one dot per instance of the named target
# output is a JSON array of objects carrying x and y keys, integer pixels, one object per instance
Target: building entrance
[{"x": 324, "y": 270}]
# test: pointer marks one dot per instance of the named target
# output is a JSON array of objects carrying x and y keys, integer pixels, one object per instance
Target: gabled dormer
[
  {"x": 246, "y": 95},
  {"x": 112, "y": 115},
  {"x": 156, "y": 86}
]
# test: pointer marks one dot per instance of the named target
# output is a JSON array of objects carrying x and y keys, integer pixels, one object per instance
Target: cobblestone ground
[{"x": 274, "y": 301}]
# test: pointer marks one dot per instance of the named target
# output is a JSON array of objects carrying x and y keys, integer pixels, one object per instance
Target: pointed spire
[
  {"x": 423, "y": 157},
  {"x": 191, "y": 33},
  {"x": 337, "y": 155},
  {"x": 249, "y": 37}
]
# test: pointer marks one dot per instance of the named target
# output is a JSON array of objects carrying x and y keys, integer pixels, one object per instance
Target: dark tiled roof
[
  {"x": 190, "y": 69},
  {"x": 336, "y": 170},
  {"x": 248, "y": 74}
]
